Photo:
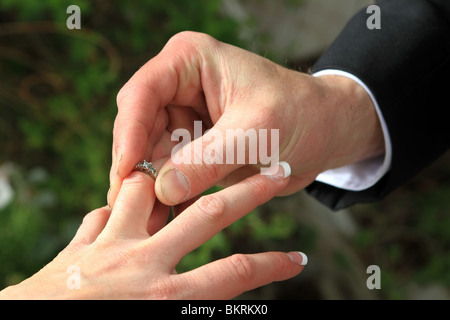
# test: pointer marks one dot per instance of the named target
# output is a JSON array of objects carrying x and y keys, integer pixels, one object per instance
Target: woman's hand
[{"x": 128, "y": 253}]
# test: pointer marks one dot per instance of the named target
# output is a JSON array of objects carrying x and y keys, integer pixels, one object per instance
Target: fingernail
[
  {"x": 175, "y": 186},
  {"x": 107, "y": 197},
  {"x": 284, "y": 171},
  {"x": 298, "y": 258},
  {"x": 118, "y": 162}
]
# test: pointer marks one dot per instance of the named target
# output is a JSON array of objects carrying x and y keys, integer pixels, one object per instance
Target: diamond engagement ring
[{"x": 147, "y": 168}]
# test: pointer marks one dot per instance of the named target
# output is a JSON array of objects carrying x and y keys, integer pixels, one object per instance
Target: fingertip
[
  {"x": 304, "y": 259},
  {"x": 105, "y": 209},
  {"x": 124, "y": 167},
  {"x": 286, "y": 169},
  {"x": 278, "y": 172},
  {"x": 298, "y": 258},
  {"x": 175, "y": 187},
  {"x": 130, "y": 148}
]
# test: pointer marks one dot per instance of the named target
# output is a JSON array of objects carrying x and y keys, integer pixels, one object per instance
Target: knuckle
[
  {"x": 192, "y": 37},
  {"x": 120, "y": 95},
  {"x": 123, "y": 93},
  {"x": 88, "y": 217},
  {"x": 242, "y": 267},
  {"x": 94, "y": 217},
  {"x": 211, "y": 207},
  {"x": 202, "y": 172},
  {"x": 213, "y": 171},
  {"x": 207, "y": 172}
]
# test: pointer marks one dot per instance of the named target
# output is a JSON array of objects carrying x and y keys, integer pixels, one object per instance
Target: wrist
[
  {"x": 356, "y": 132},
  {"x": 44, "y": 286},
  {"x": 20, "y": 291},
  {"x": 16, "y": 292}
]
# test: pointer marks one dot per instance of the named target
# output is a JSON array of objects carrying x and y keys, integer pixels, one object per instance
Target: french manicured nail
[
  {"x": 284, "y": 171},
  {"x": 298, "y": 258},
  {"x": 175, "y": 186}
]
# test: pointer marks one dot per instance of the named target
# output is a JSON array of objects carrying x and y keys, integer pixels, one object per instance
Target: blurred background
[{"x": 57, "y": 108}]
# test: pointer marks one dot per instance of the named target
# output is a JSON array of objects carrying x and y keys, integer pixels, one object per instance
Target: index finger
[
  {"x": 173, "y": 76},
  {"x": 138, "y": 103}
]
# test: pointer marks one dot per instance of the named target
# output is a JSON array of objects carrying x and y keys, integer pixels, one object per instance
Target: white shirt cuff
[{"x": 364, "y": 174}]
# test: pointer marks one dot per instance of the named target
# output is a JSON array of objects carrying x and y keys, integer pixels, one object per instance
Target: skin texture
[
  {"x": 128, "y": 253},
  {"x": 196, "y": 77}
]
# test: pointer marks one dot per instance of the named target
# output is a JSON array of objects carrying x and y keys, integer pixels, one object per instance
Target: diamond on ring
[{"x": 147, "y": 168}]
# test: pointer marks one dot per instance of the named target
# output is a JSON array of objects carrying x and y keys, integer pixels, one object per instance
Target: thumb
[{"x": 195, "y": 166}]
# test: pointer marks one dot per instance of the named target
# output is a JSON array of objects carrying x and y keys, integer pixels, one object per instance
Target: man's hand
[{"x": 323, "y": 123}]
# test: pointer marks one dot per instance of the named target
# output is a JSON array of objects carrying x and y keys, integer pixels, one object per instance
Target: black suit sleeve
[{"x": 406, "y": 65}]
